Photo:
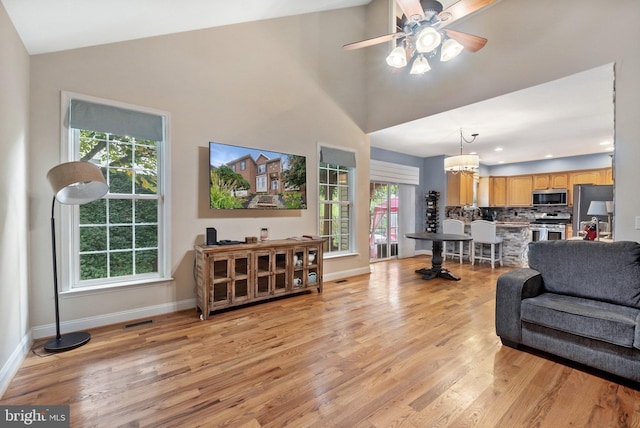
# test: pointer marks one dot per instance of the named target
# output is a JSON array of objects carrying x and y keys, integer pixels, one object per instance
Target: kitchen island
[{"x": 515, "y": 240}]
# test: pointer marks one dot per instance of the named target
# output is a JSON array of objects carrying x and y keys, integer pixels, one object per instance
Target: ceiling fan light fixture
[
  {"x": 428, "y": 39},
  {"x": 420, "y": 65},
  {"x": 450, "y": 49},
  {"x": 397, "y": 58}
]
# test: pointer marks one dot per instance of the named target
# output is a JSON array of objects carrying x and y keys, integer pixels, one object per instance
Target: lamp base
[{"x": 67, "y": 342}]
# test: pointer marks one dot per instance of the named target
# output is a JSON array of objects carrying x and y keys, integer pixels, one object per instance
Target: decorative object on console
[
  {"x": 597, "y": 208},
  {"x": 247, "y": 178},
  {"x": 212, "y": 236},
  {"x": 73, "y": 183},
  {"x": 264, "y": 234},
  {"x": 462, "y": 163},
  {"x": 423, "y": 35}
]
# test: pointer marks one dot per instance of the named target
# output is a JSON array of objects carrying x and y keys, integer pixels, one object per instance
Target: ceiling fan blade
[
  {"x": 469, "y": 41},
  {"x": 460, "y": 9},
  {"x": 372, "y": 41},
  {"x": 411, "y": 8}
]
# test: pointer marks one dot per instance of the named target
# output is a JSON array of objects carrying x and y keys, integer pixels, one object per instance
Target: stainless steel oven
[
  {"x": 549, "y": 226},
  {"x": 547, "y": 232}
]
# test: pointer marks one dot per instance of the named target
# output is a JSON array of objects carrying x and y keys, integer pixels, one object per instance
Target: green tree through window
[{"x": 118, "y": 235}]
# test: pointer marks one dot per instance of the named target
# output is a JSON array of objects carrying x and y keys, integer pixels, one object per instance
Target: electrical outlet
[{"x": 638, "y": 222}]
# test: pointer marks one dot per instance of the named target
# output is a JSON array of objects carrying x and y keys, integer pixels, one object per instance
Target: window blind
[
  {"x": 337, "y": 157},
  {"x": 115, "y": 120}
]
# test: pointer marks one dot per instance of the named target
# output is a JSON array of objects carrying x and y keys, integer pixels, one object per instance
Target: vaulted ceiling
[{"x": 567, "y": 117}]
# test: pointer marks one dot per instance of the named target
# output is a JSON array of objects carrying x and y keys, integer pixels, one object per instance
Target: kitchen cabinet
[
  {"x": 541, "y": 182},
  {"x": 459, "y": 189},
  {"x": 519, "y": 190},
  {"x": 559, "y": 180},
  {"x": 594, "y": 176},
  {"x": 586, "y": 177},
  {"x": 498, "y": 191}
]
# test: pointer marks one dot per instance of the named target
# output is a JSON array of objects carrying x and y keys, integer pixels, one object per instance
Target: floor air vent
[{"x": 137, "y": 324}]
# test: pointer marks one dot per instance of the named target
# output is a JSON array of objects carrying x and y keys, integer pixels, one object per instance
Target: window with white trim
[
  {"x": 122, "y": 238},
  {"x": 336, "y": 194}
]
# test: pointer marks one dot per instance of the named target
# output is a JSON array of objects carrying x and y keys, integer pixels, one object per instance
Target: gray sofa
[{"x": 579, "y": 300}]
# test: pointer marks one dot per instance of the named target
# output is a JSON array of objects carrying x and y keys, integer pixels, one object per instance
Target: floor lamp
[
  {"x": 73, "y": 183},
  {"x": 597, "y": 208}
]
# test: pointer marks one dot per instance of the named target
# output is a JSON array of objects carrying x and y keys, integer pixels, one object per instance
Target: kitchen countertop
[{"x": 506, "y": 223}]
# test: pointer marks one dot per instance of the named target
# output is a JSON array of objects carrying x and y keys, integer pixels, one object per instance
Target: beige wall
[
  {"x": 281, "y": 85},
  {"x": 530, "y": 42},
  {"x": 14, "y": 227}
]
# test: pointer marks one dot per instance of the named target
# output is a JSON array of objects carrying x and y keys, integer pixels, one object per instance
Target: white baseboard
[
  {"x": 49, "y": 330},
  {"x": 345, "y": 273},
  {"x": 14, "y": 362},
  {"x": 424, "y": 253}
]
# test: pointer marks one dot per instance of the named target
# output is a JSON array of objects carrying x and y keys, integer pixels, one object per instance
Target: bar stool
[
  {"x": 455, "y": 227},
  {"x": 483, "y": 232}
]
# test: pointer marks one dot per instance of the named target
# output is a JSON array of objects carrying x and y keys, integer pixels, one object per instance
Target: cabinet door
[
  {"x": 608, "y": 176},
  {"x": 241, "y": 277},
  {"x": 559, "y": 180},
  {"x": 219, "y": 280},
  {"x": 585, "y": 177},
  {"x": 262, "y": 272},
  {"x": 466, "y": 189},
  {"x": 280, "y": 274},
  {"x": 497, "y": 191},
  {"x": 541, "y": 182},
  {"x": 459, "y": 189},
  {"x": 519, "y": 191},
  {"x": 453, "y": 189}
]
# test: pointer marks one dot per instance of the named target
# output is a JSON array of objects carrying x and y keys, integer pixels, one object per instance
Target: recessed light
[
  {"x": 473, "y": 153},
  {"x": 548, "y": 156},
  {"x": 605, "y": 143},
  {"x": 608, "y": 149},
  {"x": 500, "y": 161},
  {"x": 498, "y": 149}
]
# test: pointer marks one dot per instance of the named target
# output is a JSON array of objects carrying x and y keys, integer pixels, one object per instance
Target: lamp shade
[
  {"x": 609, "y": 205},
  {"x": 428, "y": 39},
  {"x": 597, "y": 208},
  {"x": 420, "y": 65},
  {"x": 461, "y": 163},
  {"x": 77, "y": 182},
  {"x": 397, "y": 58},
  {"x": 450, "y": 49}
]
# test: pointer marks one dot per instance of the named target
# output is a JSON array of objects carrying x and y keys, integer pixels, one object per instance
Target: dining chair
[
  {"x": 483, "y": 233},
  {"x": 455, "y": 227}
]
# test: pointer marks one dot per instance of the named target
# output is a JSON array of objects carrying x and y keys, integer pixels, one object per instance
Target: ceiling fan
[{"x": 422, "y": 34}]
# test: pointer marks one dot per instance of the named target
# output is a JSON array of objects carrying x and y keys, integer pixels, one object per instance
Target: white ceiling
[
  {"x": 54, "y": 25},
  {"x": 567, "y": 117}
]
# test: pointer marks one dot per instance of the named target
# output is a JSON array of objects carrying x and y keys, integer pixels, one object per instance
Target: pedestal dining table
[{"x": 436, "y": 270}]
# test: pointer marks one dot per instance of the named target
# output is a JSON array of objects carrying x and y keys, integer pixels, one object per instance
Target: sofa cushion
[
  {"x": 603, "y": 271},
  {"x": 588, "y": 318}
]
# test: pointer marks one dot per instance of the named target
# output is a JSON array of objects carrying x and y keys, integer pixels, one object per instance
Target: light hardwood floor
[{"x": 380, "y": 350}]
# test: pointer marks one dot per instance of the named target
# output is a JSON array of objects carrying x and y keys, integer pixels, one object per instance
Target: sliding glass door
[{"x": 383, "y": 220}]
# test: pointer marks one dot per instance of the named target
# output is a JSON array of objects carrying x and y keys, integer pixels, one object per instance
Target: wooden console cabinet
[{"x": 231, "y": 275}]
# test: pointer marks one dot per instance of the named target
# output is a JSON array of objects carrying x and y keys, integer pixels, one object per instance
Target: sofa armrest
[{"x": 511, "y": 288}]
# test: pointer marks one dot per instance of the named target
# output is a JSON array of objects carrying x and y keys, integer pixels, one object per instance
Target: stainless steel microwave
[{"x": 549, "y": 197}]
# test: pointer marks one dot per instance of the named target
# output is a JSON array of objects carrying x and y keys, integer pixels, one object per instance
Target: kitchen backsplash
[{"x": 514, "y": 214}]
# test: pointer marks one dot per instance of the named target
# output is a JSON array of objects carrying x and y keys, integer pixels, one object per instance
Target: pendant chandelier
[{"x": 462, "y": 163}]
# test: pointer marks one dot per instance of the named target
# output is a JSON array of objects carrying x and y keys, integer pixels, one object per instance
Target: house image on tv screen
[{"x": 256, "y": 179}]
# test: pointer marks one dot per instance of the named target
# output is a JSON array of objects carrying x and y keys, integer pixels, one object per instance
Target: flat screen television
[{"x": 248, "y": 178}]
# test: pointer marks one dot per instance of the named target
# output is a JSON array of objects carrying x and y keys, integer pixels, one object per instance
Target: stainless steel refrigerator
[{"x": 583, "y": 194}]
